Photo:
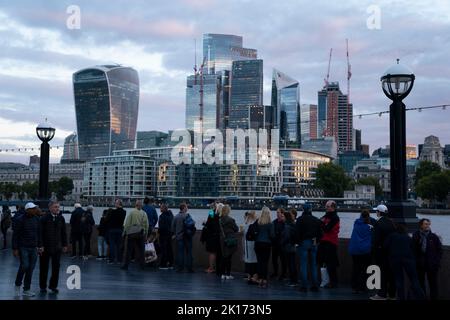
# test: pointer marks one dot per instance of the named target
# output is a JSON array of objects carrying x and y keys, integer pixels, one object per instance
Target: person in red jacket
[{"x": 327, "y": 251}]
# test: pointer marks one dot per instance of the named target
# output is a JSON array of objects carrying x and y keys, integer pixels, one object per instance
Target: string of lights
[{"x": 122, "y": 142}]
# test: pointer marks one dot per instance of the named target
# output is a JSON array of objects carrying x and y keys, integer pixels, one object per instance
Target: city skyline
[{"x": 39, "y": 54}]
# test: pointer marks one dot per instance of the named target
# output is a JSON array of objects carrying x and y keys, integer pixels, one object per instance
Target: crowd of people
[{"x": 302, "y": 249}]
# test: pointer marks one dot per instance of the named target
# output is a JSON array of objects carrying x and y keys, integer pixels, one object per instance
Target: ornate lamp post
[
  {"x": 45, "y": 133},
  {"x": 397, "y": 83}
]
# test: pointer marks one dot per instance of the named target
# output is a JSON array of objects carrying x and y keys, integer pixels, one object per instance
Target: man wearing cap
[
  {"x": 52, "y": 241},
  {"x": 25, "y": 243},
  {"x": 381, "y": 231}
]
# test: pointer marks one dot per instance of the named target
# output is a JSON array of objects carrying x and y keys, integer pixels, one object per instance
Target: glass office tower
[
  {"x": 106, "y": 108},
  {"x": 286, "y": 103},
  {"x": 246, "y": 91}
]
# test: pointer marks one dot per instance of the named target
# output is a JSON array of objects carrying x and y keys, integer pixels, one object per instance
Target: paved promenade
[{"x": 100, "y": 281}]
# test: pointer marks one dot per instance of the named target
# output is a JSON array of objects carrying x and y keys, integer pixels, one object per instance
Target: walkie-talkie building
[{"x": 106, "y": 107}]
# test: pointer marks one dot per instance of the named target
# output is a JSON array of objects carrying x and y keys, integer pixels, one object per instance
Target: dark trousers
[
  {"x": 44, "y": 263},
  {"x": 226, "y": 265},
  {"x": 87, "y": 243},
  {"x": 165, "y": 242},
  {"x": 5, "y": 233},
  {"x": 135, "y": 244},
  {"x": 219, "y": 263},
  {"x": 28, "y": 258},
  {"x": 76, "y": 239},
  {"x": 400, "y": 266},
  {"x": 432, "y": 277},
  {"x": 277, "y": 254},
  {"x": 359, "y": 271},
  {"x": 387, "y": 276},
  {"x": 251, "y": 268},
  {"x": 184, "y": 253},
  {"x": 327, "y": 255},
  {"x": 292, "y": 266},
  {"x": 115, "y": 238},
  {"x": 262, "y": 251}
]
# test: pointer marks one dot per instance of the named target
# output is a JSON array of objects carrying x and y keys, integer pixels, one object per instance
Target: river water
[{"x": 440, "y": 224}]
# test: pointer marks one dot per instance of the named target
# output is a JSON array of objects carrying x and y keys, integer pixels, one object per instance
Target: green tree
[
  {"x": 8, "y": 189},
  {"x": 372, "y": 181},
  {"x": 62, "y": 187},
  {"x": 331, "y": 178},
  {"x": 31, "y": 189},
  {"x": 424, "y": 169},
  {"x": 434, "y": 187}
]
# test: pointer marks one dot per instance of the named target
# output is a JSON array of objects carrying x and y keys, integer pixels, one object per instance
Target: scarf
[{"x": 423, "y": 240}]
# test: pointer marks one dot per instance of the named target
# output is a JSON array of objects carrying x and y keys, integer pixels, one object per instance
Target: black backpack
[{"x": 252, "y": 232}]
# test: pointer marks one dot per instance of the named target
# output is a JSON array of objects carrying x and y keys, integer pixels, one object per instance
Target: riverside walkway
[{"x": 100, "y": 281}]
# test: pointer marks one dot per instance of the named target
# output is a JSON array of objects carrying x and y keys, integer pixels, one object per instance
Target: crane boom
[
  {"x": 349, "y": 75},
  {"x": 329, "y": 65}
]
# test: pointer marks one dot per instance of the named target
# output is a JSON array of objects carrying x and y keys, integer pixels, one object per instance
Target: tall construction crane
[
  {"x": 197, "y": 73},
  {"x": 349, "y": 75},
  {"x": 329, "y": 65}
]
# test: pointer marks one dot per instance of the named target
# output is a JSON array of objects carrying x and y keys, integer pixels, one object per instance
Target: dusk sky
[{"x": 39, "y": 54}]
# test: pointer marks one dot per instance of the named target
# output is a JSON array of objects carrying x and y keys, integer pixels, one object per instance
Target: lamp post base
[{"x": 404, "y": 212}]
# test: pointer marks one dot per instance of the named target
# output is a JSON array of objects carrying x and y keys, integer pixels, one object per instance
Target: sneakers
[
  {"x": 85, "y": 257},
  {"x": 54, "y": 291},
  {"x": 17, "y": 291},
  {"x": 378, "y": 298},
  {"x": 230, "y": 277},
  {"x": 110, "y": 262},
  {"x": 99, "y": 258},
  {"x": 163, "y": 268},
  {"x": 28, "y": 293},
  {"x": 224, "y": 277},
  {"x": 292, "y": 284}
]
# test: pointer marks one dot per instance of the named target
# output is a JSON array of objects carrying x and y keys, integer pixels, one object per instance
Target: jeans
[
  {"x": 359, "y": 271},
  {"x": 432, "y": 277},
  {"x": 165, "y": 242},
  {"x": 44, "y": 262},
  {"x": 262, "y": 251},
  {"x": 306, "y": 247},
  {"x": 292, "y": 266},
  {"x": 226, "y": 265},
  {"x": 76, "y": 239},
  {"x": 115, "y": 237},
  {"x": 184, "y": 253},
  {"x": 102, "y": 246},
  {"x": 28, "y": 258},
  {"x": 400, "y": 266}
]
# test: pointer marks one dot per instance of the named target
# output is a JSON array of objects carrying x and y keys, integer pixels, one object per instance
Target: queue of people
[{"x": 297, "y": 247}]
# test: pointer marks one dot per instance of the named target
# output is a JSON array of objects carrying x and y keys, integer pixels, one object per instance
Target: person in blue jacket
[{"x": 360, "y": 246}]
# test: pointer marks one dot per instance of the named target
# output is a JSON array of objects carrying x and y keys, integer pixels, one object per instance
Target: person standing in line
[
  {"x": 135, "y": 232},
  {"x": 428, "y": 252},
  {"x": 165, "y": 237},
  {"x": 152, "y": 215},
  {"x": 86, "y": 226},
  {"x": 102, "y": 230},
  {"x": 6, "y": 221},
  {"x": 228, "y": 241},
  {"x": 52, "y": 242},
  {"x": 288, "y": 239},
  {"x": 381, "y": 231},
  {"x": 328, "y": 246},
  {"x": 360, "y": 248},
  {"x": 250, "y": 260},
  {"x": 183, "y": 229},
  {"x": 25, "y": 243},
  {"x": 114, "y": 225},
  {"x": 263, "y": 244},
  {"x": 309, "y": 233},
  {"x": 211, "y": 238},
  {"x": 277, "y": 252},
  {"x": 76, "y": 238},
  {"x": 399, "y": 248}
]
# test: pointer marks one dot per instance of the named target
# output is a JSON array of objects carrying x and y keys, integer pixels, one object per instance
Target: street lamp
[
  {"x": 45, "y": 133},
  {"x": 397, "y": 82}
]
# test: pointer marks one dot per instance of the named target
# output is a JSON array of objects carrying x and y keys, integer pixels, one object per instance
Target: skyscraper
[
  {"x": 220, "y": 50},
  {"x": 286, "y": 103},
  {"x": 106, "y": 107},
  {"x": 246, "y": 91},
  {"x": 335, "y": 117},
  {"x": 70, "y": 148},
  {"x": 308, "y": 121}
]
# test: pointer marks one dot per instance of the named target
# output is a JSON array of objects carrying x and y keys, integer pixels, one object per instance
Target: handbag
[{"x": 324, "y": 276}]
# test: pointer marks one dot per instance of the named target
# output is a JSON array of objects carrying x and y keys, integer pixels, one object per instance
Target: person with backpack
[
  {"x": 52, "y": 242},
  {"x": 360, "y": 247},
  {"x": 263, "y": 233},
  {"x": 6, "y": 221},
  {"x": 76, "y": 237},
  {"x": 277, "y": 252},
  {"x": 165, "y": 237},
  {"x": 228, "y": 241},
  {"x": 183, "y": 229},
  {"x": 309, "y": 233},
  {"x": 288, "y": 239},
  {"x": 102, "y": 243},
  {"x": 152, "y": 215},
  {"x": 251, "y": 263},
  {"x": 86, "y": 225}
]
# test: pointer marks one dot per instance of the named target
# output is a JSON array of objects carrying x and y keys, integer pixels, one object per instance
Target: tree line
[{"x": 30, "y": 190}]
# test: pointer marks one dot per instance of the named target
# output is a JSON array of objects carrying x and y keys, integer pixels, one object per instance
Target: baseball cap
[
  {"x": 77, "y": 205},
  {"x": 382, "y": 208},
  {"x": 30, "y": 205}
]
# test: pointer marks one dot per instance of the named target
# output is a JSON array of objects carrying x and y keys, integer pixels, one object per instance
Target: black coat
[
  {"x": 308, "y": 227},
  {"x": 211, "y": 234},
  {"x": 75, "y": 220},
  {"x": 102, "y": 228},
  {"x": 381, "y": 231},
  {"x": 115, "y": 218},
  {"x": 52, "y": 235},
  {"x": 26, "y": 232},
  {"x": 278, "y": 228},
  {"x": 87, "y": 222},
  {"x": 165, "y": 223},
  {"x": 229, "y": 231},
  {"x": 430, "y": 260}
]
